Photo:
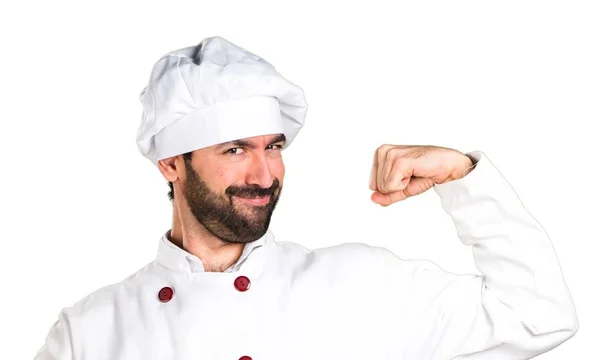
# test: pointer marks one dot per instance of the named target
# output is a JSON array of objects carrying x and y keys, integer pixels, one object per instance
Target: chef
[{"x": 216, "y": 119}]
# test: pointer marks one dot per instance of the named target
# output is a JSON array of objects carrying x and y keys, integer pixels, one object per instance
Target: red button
[
  {"x": 245, "y": 358},
  {"x": 165, "y": 294},
  {"x": 242, "y": 283}
]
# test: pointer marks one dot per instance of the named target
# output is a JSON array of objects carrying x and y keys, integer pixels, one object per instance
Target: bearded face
[{"x": 240, "y": 214}]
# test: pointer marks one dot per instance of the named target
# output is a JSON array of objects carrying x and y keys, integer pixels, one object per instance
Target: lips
[{"x": 256, "y": 200}]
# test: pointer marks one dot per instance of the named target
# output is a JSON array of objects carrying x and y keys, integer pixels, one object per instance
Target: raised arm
[{"x": 518, "y": 308}]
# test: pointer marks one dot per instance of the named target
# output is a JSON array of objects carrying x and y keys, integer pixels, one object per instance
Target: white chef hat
[{"x": 212, "y": 93}]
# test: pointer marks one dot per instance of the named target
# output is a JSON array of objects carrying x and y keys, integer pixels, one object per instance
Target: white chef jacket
[
  {"x": 350, "y": 301},
  {"x": 195, "y": 264}
]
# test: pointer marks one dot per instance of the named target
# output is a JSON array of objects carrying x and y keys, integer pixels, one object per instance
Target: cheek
[
  {"x": 277, "y": 169},
  {"x": 225, "y": 178},
  {"x": 219, "y": 178}
]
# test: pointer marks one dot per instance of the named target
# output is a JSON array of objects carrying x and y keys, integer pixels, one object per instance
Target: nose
[{"x": 259, "y": 172}]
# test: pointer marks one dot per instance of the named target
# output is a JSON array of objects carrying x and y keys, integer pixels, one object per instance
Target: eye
[
  {"x": 276, "y": 147},
  {"x": 233, "y": 151}
]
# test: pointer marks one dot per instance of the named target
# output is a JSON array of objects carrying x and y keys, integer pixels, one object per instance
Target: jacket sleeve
[
  {"x": 58, "y": 341},
  {"x": 518, "y": 308}
]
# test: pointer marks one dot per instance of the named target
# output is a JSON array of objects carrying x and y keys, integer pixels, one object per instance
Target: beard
[{"x": 219, "y": 215}]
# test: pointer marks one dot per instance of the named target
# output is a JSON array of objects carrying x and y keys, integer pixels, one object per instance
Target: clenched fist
[{"x": 401, "y": 171}]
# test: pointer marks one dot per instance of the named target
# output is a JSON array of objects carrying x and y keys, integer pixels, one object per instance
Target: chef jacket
[
  {"x": 193, "y": 263},
  {"x": 349, "y": 301}
]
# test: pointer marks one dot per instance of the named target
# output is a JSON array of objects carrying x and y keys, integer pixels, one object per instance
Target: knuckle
[
  {"x": 396, "y": 154},
  {"x": 381, "y": 150}
]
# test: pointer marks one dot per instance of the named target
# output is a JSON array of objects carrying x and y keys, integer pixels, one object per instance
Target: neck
[{"x": 187, "y": 233}]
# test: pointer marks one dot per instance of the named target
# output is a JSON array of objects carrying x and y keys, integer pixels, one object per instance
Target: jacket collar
[{"x": 176, "y": 259}]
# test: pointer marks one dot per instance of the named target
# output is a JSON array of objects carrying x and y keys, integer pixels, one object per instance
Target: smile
[{"x": 256, "y": 201}]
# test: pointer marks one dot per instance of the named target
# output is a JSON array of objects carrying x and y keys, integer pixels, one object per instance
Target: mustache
[{"x": 253, "y": 191}]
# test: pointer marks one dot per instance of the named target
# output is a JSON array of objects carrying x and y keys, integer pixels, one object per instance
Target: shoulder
[
  {"x": 105, "y": 300},
  {"x": 344, "y": 259},
  {"x": 355, "y": 260},
  {"x": 341, "y": 253}
]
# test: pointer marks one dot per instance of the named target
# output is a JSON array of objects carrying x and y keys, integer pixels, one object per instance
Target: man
[{"x": 216, "y": 119}]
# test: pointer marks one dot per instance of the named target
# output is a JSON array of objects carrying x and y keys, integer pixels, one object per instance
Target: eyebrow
[{"x": 247, "y": 144}]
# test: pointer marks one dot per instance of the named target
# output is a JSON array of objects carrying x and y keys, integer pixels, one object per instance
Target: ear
[{"x": 171, "y": 167}]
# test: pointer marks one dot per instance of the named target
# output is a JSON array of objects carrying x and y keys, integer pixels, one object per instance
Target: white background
[{"x": 81, "y": 208}]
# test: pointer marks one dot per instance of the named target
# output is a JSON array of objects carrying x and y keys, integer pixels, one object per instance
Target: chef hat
[{"x": 213, "y": 93}]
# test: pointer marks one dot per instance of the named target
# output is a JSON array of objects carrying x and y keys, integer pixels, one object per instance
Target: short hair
[{"x": 187, "y": 157}]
